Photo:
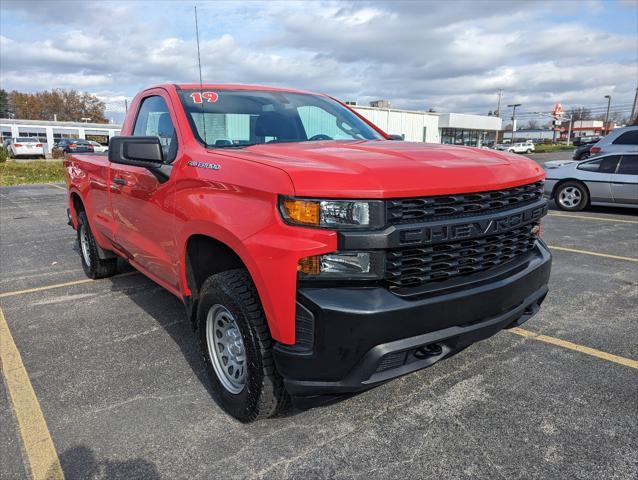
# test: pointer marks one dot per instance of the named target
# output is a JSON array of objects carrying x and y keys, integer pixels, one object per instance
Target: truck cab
[{"x": 314, "y": 254}]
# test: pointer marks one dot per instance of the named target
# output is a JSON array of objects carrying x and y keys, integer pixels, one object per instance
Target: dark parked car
[
  {"x": 71, "y": 145},
  {"x": 583, "y": 147},
  {"x": 583, "y": 151}
]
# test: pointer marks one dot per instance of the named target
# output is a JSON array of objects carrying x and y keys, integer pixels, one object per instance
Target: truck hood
[{"x": 385, "y": 169}]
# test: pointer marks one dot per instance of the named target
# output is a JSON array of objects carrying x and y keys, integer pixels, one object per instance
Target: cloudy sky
[{"x": 450, "y": 56}]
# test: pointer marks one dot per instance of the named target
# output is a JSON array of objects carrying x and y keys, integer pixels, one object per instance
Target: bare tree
[{"x": 580, "y": 113}]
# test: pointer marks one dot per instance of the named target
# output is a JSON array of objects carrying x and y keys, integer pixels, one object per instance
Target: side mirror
[
  {"x": 137, "y": 151},
  {"x": 395, "y": 137}
]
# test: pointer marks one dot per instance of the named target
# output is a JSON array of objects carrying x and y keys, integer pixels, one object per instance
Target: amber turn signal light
[
  {"x": 309, "y": 265},
  {"x": 304, "y": 212}
]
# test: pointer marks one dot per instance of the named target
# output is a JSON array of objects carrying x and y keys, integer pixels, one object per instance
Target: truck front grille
[
  {"x": 409, "y": 210},
  {"x": 414, "y": 266}
]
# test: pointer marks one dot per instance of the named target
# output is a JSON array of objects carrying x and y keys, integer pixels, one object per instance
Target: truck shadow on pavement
[
  {"x": 79, "y": 462},
  {"x": 169, "y": 313}
]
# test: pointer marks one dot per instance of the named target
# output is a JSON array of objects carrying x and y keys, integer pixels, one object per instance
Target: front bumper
[
  {"x": 549, "y": 186},
  {"x": 365, "y": 336}
]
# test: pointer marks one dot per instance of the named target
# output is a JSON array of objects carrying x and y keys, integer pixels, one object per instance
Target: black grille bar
[
  {"x": 413, "y": 210},
  {"x": 412, "y": 267}
]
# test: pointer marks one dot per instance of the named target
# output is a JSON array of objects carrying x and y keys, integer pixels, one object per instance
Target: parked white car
[
  {"x": 25, "y": 147},
  {"x": 98, "y": 147}
]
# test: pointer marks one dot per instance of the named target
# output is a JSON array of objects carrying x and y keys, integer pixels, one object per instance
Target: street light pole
[
  {"x": 498, "y": 111},
  {"x": 606, "y": 126},
  {"x": 514, "y": 118}
]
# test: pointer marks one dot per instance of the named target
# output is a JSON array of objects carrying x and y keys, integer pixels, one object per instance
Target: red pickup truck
[{"x": 315, "y": 254}]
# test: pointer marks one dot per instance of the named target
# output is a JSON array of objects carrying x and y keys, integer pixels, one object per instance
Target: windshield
[{"x": 236, "y": 118}]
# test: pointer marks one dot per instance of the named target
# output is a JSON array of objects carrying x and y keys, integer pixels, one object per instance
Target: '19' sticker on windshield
[{"x": 199, "y": 97}]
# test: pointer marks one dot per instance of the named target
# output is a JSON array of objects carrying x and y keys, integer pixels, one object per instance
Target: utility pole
[
  {"x": 497, "y": 113},
  {"x": 514, "y": 118},
  {"x": 633, "y": 108},
  {"x": 125, "y": 105},
  {"x": 606, "y": 126}
]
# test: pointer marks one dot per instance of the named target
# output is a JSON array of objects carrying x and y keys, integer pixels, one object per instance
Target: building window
[{"x": 458, "y": 136}]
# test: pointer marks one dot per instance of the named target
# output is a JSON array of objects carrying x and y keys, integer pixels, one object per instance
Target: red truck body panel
[{"x": 150, "y": 222}]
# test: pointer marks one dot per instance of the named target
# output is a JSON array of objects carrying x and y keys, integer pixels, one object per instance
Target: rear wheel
[
  {"x": 94, "y": 267},
  {"x": 529, "y": 150},
  {"x": 571, "y": 196},
  {"x": 237, "y": 347}
]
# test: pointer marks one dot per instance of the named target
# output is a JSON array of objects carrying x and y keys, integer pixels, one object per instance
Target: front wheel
[
  {"x": 571, "y": 196},
  {"x": 237, "y": 347}
]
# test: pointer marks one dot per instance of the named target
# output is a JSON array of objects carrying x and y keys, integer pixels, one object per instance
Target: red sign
[{"x": 558, "y": 110}]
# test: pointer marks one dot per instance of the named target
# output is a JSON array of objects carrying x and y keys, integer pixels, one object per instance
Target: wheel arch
[
  {"x": 205, "y": 255},
  {"x": 76, "y": 205}
]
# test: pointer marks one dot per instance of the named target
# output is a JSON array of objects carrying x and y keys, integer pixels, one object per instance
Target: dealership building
[{"x": 412, "y": 125}]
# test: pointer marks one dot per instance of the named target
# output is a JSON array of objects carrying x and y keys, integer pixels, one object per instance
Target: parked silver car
[
  {"x": 619, "y": 140},
  {"x": 610, "y": 179}
]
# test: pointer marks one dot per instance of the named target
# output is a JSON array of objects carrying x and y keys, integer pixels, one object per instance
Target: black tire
[
  {"x": 562, "y": 189},
  {"x": 95, "y": 267},
  {"x": 529, "y": 150},
  {"x": 263, "y": 394}
]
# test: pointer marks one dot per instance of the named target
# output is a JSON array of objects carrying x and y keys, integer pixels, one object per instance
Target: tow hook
[{"x": 431, "y": 350}]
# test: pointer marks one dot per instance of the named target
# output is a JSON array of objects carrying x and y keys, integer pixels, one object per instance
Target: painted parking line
[
  {"x": 56, "y": 186},
  {"x": 38, "y": 448},
  {"x": 595, "y": 254},
  {"x": 60, "y": 285},
  {"x": 585, "y": 217},
  {"x": 628, "y": 362}
]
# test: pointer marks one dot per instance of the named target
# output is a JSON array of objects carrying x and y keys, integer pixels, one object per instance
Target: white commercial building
[
  {"x": 413, "y": 126},
  {"x": 416, "y": 126},
  {"x": 49, "y": 132}
]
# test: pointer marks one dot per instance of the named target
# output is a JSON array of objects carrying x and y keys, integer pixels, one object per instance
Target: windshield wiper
[{"x": 233, "y": 145}]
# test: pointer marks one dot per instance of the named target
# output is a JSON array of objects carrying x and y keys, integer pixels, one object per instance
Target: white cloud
[{"x": 446, "y": 55}]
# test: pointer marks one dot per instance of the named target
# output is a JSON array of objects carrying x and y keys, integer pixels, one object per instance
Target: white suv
[
  {"x": 520, "y": 148},
  {"x": 619, "y": 140}
]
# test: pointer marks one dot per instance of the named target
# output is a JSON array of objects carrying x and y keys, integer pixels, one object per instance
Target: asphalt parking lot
[{"x": 123, "y": 393}]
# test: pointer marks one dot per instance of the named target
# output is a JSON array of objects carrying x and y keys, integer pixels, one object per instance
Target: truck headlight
[
  {"x": 343, "y": 266},
  {"x": 337, "y": 214}
]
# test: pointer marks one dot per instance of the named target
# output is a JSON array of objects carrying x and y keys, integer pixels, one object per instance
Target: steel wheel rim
[
  {"x": 84, "y": 245},
  {"x": 570, "y": 197},
  {"x": 226, "y": 348}
]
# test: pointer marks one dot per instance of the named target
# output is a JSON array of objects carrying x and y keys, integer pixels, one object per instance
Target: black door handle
[{"x": 119, "y": 181}]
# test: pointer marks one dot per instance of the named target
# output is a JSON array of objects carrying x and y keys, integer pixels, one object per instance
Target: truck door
[
  {"x": 624, "y": 183},
  {"x": 142, "y": 200}
]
